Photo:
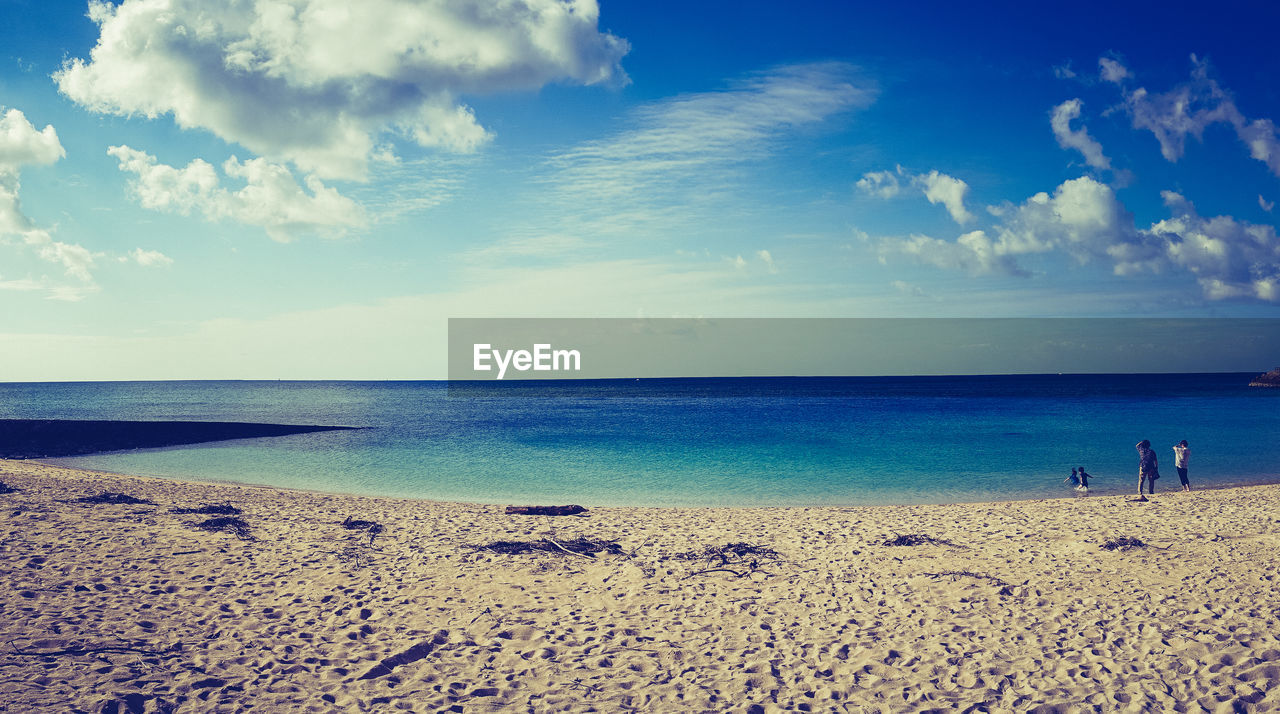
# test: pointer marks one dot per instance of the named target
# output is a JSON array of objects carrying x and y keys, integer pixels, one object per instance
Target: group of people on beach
[{"x": 1148, "y": 469}]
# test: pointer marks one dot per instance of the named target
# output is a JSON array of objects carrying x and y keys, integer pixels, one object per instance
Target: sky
[{"x": 309, "y": 189}]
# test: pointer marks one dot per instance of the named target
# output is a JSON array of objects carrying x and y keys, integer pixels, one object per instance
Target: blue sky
[{"x": 309, "y": 189}]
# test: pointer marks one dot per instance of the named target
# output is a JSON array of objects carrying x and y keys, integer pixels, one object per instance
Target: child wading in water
[
  {"x": 1073, "y": 479},
  {"x": 1084, "y": 480}
]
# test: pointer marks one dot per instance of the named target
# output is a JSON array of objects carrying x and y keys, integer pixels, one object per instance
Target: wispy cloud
[{"x": 694, "y": 148}]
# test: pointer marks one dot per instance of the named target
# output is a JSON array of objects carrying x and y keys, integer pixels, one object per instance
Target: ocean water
[{"x": 737, "y": 441}]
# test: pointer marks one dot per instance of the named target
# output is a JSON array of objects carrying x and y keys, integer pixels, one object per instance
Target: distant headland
[
  {"x": 48, "y": 438},
  {"x": 1270, "y": 379}
]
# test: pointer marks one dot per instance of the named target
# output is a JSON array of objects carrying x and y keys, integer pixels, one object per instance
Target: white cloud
[
  {"x": 909, "y": 289},
  {"x": 150, "y": 258},
  {"x": 1190, "y": 108},
  {"x": 270, "y": 197},
  {"x": 1060, "y": 120},
  {"x": 1265, "y": 205},
  {"x": 947, "y": 190},
  {"x": 320, "y": 83},
  {"x": 738, "y": 262},
  {"x": 1230, "y": 258},
  {"x": 677, "y": 156},
  {"x": 1083, "y": 219},
  {"x": 767, "y": 257},
  {"x": 938, "y": 188},
  {"x": 882, "y": 184},
  {"x": 21, "y": 144},
  {"x": 1112, "y": 71}
]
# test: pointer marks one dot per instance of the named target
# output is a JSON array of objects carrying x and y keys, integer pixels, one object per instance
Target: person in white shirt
[{"x": 1181, "y": 453}]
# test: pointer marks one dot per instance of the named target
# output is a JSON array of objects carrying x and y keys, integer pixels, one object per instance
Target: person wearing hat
[{"x": 1181, "y": 453}]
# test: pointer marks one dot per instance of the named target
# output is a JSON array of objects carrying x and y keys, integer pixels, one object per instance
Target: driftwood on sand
[
  {"x": 740, "y": 559},
  {"x": 570, "y": 510},
  {"x": 585, "y": 547}
]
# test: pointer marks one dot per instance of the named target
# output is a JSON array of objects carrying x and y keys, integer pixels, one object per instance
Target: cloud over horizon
[{"x": 1083, "y": 219}]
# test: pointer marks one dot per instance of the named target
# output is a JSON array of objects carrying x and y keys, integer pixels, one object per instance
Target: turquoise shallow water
[{"x": 749, "y": 441}]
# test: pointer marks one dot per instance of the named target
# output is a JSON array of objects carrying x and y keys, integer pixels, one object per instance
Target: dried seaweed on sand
[
  {"x": 236, "y": 526},
  {"x": 373, "y": 528},
  {"x": 1123, "y": 543},
  {"x": 225, "y": 509},
  {"x": 917, "y": 539},
  {"x": 123, "y": 499}
]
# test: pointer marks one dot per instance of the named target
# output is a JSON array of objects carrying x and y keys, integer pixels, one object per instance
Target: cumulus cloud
[
  {"x": 1191, "y": 107},
  {"x": 1230, "y": 258},
  {"x": 938, "y": 188},
  {"x": 324, "y": 83},
  {"x": 1112, "y": 71},
  {"x": 882, "y": 184},
  {"x": 1083, "y": 219},
  {"x": 1060, "y": 121},
  {"x": 974, "y": 253},
  {"x": 269, "y": 197},
  {"x": 21, "y": 144},
  {"x": 948, "y": 191}
]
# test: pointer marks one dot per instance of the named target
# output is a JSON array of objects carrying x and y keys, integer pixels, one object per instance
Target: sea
[{"x": 803, "y": 441}]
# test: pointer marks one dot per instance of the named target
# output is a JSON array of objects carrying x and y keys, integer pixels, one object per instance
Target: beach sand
[{"x": 109, "y": 606}]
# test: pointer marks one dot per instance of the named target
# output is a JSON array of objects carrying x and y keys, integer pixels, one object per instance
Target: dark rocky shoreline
[{"x": 48, "y": 438}]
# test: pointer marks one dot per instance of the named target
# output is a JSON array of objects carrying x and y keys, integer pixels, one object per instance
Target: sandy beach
[{"x": 1013, "y": 606}]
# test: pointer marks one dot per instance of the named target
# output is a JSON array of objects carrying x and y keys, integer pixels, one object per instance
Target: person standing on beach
[
  {"x": 1181, "y": 454},
  {"x": 1148, "y": 469}
]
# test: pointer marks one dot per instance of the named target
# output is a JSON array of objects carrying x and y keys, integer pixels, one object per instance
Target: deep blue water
[{"x": 752, "y": 441}]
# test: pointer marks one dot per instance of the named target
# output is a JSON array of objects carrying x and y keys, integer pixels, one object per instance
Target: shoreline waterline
[{"x": 193, "y": 481}]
